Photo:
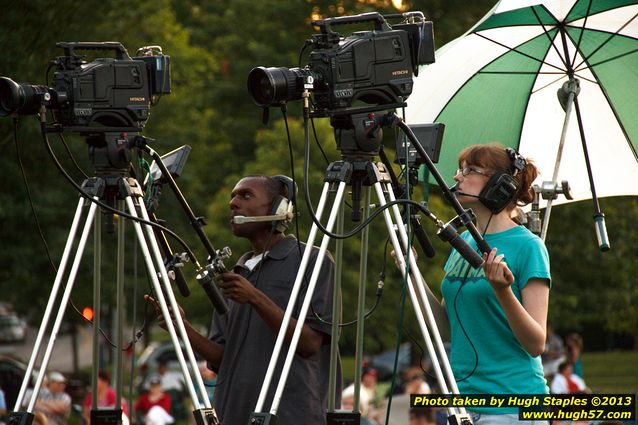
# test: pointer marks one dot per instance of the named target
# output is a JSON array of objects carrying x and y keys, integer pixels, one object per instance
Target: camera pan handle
[
  {"x": 375, "y": 17},
  {"x": 116, "y": 46}
]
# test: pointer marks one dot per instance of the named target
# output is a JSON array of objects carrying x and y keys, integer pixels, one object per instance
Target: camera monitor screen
[
  {"x": 174, "y": 161},
  {"x": 429, "y": 135}
]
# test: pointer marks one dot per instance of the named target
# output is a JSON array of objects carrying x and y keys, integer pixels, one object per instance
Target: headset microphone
[
  {"x": 455, "y": 190},
  {"x": 241, "y": 219},
  {"x": 467, "y": 194}
]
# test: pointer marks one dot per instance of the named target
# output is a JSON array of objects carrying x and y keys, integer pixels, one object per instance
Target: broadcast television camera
[
  {"x": 109, "y": 92},
  {"x": 374, "y": 67}
]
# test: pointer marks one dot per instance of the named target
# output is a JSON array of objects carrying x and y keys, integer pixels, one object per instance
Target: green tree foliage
[
  {"x": 592, "y": 287},
  {"x": 175, "y": 119},
  {"x": 213, "y": 45}
]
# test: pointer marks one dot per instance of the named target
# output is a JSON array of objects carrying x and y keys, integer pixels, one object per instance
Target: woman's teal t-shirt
[{"x": 502, "y": 364}]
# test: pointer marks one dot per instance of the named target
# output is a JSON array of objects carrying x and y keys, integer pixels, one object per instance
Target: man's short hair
[{"x": 273, "y": 187}]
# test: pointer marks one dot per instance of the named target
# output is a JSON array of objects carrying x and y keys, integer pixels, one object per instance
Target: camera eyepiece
[{"x": 269, "y": 86}]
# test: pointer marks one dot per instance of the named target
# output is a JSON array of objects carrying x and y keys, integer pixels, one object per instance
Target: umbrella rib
[
  {"x": 513, "y": 49},
  {"x": 551, "y": 42},
  {"x": 609, "y": 59},
  {"x": 613, "y": 108},
  {"x": 611, "y": 35},
  {"x": 585, "y": 78},
  {"x": 548, "y": 84},
  {"x": 521, "y": 72},
  {"x": 580, "y": 37}
]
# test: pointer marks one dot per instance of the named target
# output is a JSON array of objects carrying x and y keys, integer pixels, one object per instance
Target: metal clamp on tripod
[{"x": 110, "y": 155}]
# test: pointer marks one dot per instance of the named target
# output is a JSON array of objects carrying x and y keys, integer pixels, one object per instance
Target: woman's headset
[{"x": 501, "y": 189}]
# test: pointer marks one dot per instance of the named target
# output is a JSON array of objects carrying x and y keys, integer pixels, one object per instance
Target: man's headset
[
  {"x": 501, "y": 188},
  {"x": 283, "y": 207},
  {"x": 282, "y": 210}
]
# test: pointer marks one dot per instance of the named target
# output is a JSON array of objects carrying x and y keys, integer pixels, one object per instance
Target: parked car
[
  {"x": 156, "y": 353},
  {"x": 12, "y": 328},
  {"x": 11, "y": 375},
  {"x": 384, "y": 362}
]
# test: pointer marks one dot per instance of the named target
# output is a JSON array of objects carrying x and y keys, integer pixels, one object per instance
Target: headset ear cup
[
  {"x": 280, "y": 206},
  {"x": 284, "y": 204},
  {"x": 499, "y": 191}
]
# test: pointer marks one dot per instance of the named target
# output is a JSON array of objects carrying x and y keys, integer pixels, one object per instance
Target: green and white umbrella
[{"x": 499, "y": 82}]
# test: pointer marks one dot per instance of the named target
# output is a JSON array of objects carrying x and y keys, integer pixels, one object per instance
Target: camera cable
[
  {"x": 314, "y": 132},
  {"x": 456, "y": 311},
  {"x": 68, "y": 151}
]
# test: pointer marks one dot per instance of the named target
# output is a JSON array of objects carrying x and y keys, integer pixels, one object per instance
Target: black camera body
[
  {"x": 105, "y": 93},
  {"x": 374, "y": 67}
]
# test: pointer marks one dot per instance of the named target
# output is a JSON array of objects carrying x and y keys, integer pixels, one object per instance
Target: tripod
[
  {"x": 111, "y": 157},
  {"x": 357, "y": 170}
]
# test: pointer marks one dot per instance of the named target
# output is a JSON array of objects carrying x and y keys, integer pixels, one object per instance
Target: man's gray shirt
[{"x": 248, "y": 343}]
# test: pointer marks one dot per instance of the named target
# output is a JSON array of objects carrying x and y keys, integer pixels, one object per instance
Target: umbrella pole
[
  {"x": 599, "y": 217},
  {"x": 571, "y": 87}
]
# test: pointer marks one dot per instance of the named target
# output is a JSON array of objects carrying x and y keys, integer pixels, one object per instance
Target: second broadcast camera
[
  {"x": 374, "y": 67},
  {"x": 108, "y": 92}
]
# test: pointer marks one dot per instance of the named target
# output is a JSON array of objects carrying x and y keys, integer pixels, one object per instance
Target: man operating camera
[{"x": 241, "y": 342}]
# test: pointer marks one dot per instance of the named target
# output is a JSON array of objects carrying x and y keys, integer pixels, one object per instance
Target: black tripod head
[
  {"x": 110, "y": 154},
  {"x": 359, "y": 135}
]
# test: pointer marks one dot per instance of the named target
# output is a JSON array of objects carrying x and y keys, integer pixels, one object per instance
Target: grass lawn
[{"x": 611, "y": 372}]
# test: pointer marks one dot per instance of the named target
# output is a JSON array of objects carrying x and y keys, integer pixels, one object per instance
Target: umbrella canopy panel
[{"x": 499, "y": 83}]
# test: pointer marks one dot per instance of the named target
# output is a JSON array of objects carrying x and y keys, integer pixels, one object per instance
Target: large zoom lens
[
  {"x": 276, "y": 85},
  {"x": 23, "y": 98}
]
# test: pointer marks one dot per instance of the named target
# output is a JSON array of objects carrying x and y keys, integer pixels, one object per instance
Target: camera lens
[
  {"x": 9, "y": 96},
  {"x": 22, "y": 98},
  {"x": 275, "y": 85}
]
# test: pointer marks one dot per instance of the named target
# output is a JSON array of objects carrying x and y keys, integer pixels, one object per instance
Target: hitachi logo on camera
[
  {"x": 137, "y": 99},
  {"x": 400, "y": 72}
]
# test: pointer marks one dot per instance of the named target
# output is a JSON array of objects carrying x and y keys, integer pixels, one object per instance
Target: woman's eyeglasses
[{"x": 469, "y": 170}]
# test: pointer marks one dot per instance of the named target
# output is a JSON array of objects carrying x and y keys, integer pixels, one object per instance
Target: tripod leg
[
  {"x": 361, "y": 299},
  {"x": 306, "y": 303},
  {"x": 420, "y": 284},
  {"x": 148, "y": 257},
  {"x": 202, "y": 416},
  {"x": 119, "y": 310},
  {"x": 398, "y": 249},
  {"x": 65, "y": 299},
  {"x": 97, "y": 304},
  {"x": 180, "y": 324},
  {"x": 336, "y": 315},
  {"x": 291, "y": 303},
  {"x": 50, "y": 303}
]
